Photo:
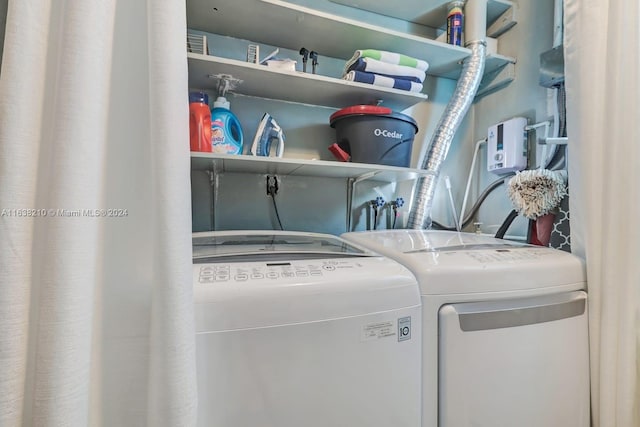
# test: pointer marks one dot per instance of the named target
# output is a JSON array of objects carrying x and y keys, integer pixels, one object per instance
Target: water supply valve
[
  {"x": 377, "y": 203},
  {"x": 397, "y": 203}
]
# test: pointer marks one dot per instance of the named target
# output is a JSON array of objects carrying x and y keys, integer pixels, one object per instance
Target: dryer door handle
[{"x": 480, "y": 316}]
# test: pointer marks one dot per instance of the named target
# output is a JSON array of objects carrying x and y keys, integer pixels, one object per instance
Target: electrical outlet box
[{"x": 507, "y": 146}]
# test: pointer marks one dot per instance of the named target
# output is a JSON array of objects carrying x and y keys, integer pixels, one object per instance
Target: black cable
[
  {"x": 558, "y": 159},
  {"x": 562, "y": 110},
  {"x": 481, "y": 198},
  {"x": 375, "y": 217},
  {"x": 275, "y": 207},
  {"x": 506, "y": 224},
  {"x": 395, "y": 216}
]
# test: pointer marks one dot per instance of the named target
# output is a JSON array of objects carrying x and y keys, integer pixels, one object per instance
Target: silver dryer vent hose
[{"x": 466, "y": 88}]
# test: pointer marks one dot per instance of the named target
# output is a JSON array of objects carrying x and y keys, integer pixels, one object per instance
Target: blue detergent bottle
[{"x": 226, "y": 132}]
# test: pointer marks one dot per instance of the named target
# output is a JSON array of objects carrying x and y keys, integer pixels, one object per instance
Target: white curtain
[
  {"x": 602, "y": 61},
  {"x": 96, "y": 320}
]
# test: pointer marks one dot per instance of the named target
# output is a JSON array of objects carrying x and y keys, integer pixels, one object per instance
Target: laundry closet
[{"x": 315, "y": 191}]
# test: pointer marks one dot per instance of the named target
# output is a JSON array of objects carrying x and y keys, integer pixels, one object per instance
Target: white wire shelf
[
  {"x": 295, "y": 86},
  {"x": 225, "y": 163}
]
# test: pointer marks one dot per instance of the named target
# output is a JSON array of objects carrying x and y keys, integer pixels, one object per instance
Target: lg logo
[
  {"x": 387, "y": 133},
  {"x": 404, "y": 328}
]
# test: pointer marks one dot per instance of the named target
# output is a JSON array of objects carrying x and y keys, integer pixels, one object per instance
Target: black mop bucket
[{"x": 371, "y": 134}]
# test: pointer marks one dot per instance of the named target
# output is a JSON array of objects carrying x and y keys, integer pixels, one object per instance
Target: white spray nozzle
[{"x": 447, "y": 183}]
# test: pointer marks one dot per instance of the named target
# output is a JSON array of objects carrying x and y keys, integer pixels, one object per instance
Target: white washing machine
[
  {"x": 303, "y": 329},
  {"x": 505, "y": 335}
]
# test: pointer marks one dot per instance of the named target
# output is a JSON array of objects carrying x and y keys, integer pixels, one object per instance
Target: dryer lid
[
  {"x": 252, "y": 245},
  {"x": 446, "y": 262},
  {"x": 415, "y": 241}
]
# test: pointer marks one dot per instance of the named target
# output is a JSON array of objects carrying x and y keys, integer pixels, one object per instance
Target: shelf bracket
[
  {"x": 504, "y": 23},
  {"x": 496, "y": 80}
]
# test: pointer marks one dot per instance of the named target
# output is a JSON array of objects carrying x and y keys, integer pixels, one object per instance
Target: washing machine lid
[
  {"x": 258, "y": 245},
  {"x": 255, "y": 279},
  {"x": 446, "y": 262}
]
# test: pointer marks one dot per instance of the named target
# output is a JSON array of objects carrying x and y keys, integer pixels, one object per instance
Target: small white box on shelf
[{"x": 282, "y": 64}]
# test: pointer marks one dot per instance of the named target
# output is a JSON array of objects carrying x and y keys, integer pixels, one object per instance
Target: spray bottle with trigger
[{"x": 226, "y": 132}]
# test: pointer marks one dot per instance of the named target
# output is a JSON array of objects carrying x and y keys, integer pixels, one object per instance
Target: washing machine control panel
[{"x": 248, "y": 272}]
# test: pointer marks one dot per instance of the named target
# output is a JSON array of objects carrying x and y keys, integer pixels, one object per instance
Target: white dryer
[
  {"x": 505, "y": 335},
  {"x": 303, "y": 329}
]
